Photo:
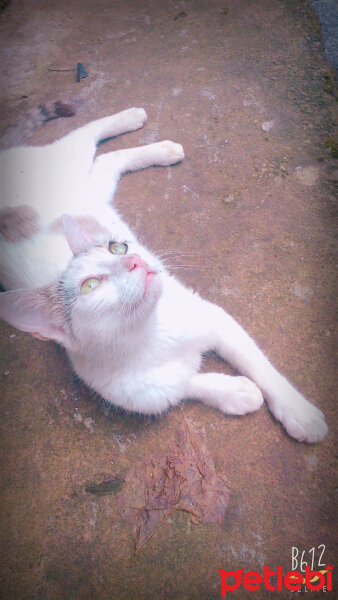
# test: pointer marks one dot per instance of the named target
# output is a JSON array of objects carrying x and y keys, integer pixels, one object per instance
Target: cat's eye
[
  {"x": 118, "y": 248},
  {"x": 89, "y": 285}
]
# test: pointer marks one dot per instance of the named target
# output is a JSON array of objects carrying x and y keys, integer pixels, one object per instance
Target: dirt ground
[{"x": 246, "y": 88}]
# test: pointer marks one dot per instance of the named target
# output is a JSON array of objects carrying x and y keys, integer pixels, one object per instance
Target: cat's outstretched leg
[
  {"x": 109, "y": 167},
  {"x": 90, "y": 134},
  {"x": 300, "y": 418},
  {"x": 132, "y": 159},
  {"x": 231, "y": 395},
  {"x": 122, "y": 122},
  {"x": 76, "y": 150}
]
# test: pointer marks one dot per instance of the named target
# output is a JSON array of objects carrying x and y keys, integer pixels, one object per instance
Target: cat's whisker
[
  {"x": 189, "y": 267},
  {"x": 177, "y": 253}
]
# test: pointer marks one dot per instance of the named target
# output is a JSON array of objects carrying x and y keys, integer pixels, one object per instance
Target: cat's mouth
[
  {"x": 152, "y": 286},
  {"x": 135, "y": 263},
  {"x": 150, "y": 275},
  {"x": 151, "y": 283}
]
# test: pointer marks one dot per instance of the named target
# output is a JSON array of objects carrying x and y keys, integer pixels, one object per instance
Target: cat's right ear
[
  {"x": 78, "y": 239},
  {"x": 33, "y": 311}
]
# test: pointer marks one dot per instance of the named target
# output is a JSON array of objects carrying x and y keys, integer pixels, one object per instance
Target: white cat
[{"x": 79, "y": 276}]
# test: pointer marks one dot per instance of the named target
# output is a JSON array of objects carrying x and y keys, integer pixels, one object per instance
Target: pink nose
[{"x": 134, "y": 261}]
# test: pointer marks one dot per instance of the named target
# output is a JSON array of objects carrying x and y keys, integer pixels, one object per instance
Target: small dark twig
[{"x": 59, "y": 70}]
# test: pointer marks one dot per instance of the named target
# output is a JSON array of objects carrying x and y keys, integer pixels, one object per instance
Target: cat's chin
[{"x": 149, "y": 291}]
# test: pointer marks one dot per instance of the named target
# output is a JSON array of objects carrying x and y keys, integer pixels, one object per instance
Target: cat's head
[{"x": 107, "y": 289}]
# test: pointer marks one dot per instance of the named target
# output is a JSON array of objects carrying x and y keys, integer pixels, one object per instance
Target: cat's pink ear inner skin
[
  {"x": 30, "y": 311},
  {"x": 78, "y": 239}
]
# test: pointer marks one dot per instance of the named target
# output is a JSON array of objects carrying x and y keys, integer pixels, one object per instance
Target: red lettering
[
  {"x": 252, "y": 580},
  {"x": 267, "y": 574},
  {"x": 225, "y": 586},
  {"x": 279, "y": 578},
  {"x": 292, "y": 580},
  {"x": 308, "y": 576}
]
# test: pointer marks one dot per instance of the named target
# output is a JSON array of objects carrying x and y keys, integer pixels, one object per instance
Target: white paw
[
  {"x": 134, "y": 118},
  {"x": 245, "y": 397},
  {"x": 168, "y": 153},
  {"x": 302, "y": 420}
]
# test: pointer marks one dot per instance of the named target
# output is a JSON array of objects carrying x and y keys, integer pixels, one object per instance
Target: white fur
[{"x": 138, "y": 338}]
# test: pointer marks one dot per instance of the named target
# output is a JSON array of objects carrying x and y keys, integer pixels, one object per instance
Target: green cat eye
[
  {"x": 118, "y": 248},
  {"x": 89, "y": 285}
]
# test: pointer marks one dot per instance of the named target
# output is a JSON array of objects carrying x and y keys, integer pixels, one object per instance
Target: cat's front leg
[
  {"x": 109, "y": 167},
  {"x": 231, "y": 395},
  {"x": 132, "y": 159},
  {"x": 301, "y": 419}
]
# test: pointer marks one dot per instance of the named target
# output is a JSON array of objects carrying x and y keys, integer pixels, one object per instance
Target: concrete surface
[{"x": 254, "y": 206}]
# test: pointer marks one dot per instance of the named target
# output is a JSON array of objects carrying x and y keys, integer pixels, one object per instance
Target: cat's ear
[
  {"x": 33, "y": 311},
  {"x": 78, "y": 239}
]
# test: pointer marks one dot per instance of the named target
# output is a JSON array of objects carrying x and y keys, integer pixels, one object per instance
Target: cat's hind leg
[
  {"x": 122, "y": 122},
  {"x": 132, "y": 159},
  {"x": 231, "y": 395},
  {"x": 109, "y": 167},
  {"x": 76, "y": 150}
]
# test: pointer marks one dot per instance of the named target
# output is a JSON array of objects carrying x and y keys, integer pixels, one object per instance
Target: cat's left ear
[
  {"x": 33, "y": 311},
  {"x": 78, "y": 239}
]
